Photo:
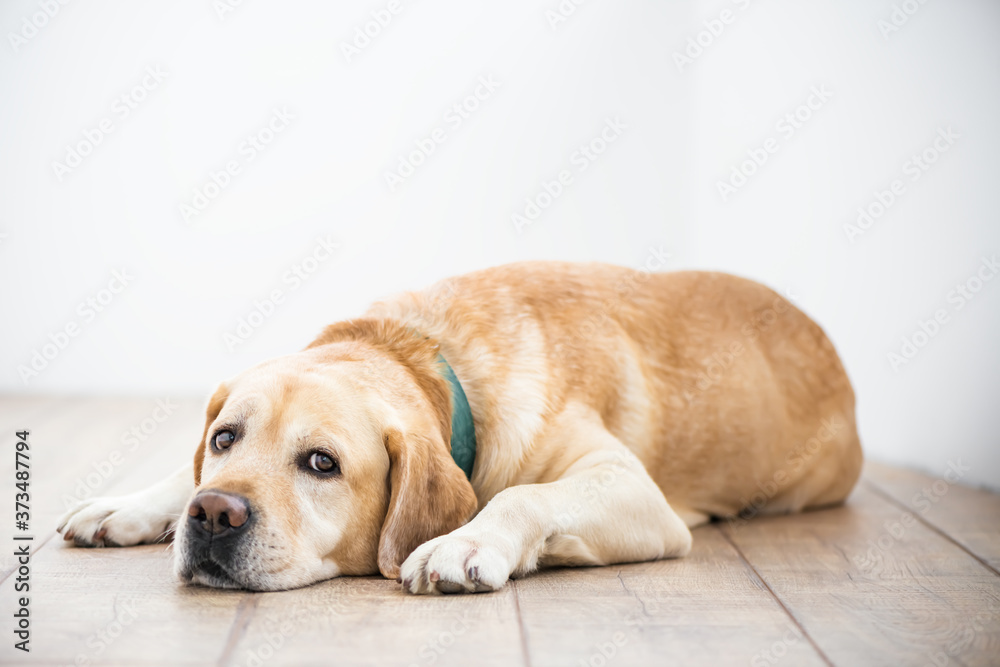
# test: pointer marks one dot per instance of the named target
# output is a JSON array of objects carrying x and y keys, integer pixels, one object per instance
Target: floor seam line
[
  {"x": 877, "y": 490},
  {"x": 523, "y": 631},
  {"x": 244, "y": 614},
  {"x": 32, "y": 552},
  {"x": 784, "y": 607}
]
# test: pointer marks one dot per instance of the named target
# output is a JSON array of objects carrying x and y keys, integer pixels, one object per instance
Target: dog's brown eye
[
  {"x": 321, "y": 462},
  {"x": 222, "y": 440}
]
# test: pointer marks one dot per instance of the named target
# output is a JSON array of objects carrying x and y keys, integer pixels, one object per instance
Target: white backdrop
[{"x": 178, "y": 163}]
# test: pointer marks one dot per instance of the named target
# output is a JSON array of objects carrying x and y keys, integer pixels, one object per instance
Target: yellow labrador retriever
[{"x": 529, "y": 415}]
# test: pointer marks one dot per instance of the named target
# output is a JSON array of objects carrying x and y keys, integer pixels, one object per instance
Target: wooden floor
[{"x": 905, "y": 574}]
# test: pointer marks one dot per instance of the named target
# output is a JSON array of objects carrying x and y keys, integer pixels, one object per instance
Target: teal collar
[{"x": 463, "y": 431}]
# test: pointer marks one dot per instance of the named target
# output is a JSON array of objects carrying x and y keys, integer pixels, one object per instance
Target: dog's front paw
[
  {"x": 121, "y": 521},
  {"x": 455, "y": 564}
]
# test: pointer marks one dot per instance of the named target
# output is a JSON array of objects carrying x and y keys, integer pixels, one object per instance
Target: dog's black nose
[{"x": 216, "y": 513}]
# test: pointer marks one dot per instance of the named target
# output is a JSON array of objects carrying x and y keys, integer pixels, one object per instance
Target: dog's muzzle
[{"x": 217, "y": 524}]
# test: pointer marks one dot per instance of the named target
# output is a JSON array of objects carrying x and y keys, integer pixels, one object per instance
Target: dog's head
[{"x": 332, "y": 461}]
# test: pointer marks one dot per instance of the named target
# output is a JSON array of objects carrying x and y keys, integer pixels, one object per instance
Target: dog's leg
[
  {"x": 143, "y": 517},
  {"x": 604, "y": 508},
  {"x": 691, "y": 518}
]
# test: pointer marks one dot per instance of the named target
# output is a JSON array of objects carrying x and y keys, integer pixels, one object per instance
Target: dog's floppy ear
[
  {"x": 212, "y": 412},
  {"x": 430, "y": 496}
]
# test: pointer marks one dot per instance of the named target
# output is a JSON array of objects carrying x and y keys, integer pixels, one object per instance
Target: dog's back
[{"x": 732, "y": 398}]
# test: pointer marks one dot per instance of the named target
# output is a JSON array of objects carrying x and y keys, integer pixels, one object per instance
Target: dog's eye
[
  {"x": 323, "y": 463},
  {"x": 222, "y": 440}
]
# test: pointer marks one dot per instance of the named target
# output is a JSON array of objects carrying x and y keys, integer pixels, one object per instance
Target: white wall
[{"x": 655, "y": 186}]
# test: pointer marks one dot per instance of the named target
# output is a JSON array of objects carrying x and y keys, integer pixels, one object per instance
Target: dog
[{"x": 529, "y": 415}]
